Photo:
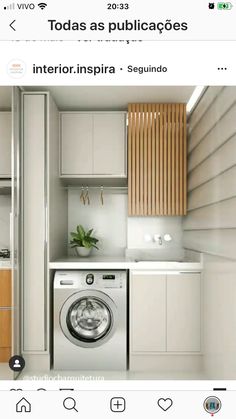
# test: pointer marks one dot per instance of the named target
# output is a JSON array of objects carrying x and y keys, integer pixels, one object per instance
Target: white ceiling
[
  {"x": 114, "y": 97},
  {"x": 5, "y": 98}
]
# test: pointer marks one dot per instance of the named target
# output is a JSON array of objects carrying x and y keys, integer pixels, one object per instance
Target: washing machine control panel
[
  {"x": 106, "y": 279},
  {"x": 80, "y": 278}
]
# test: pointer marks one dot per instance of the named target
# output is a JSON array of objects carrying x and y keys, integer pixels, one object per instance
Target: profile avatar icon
[
  {"x": 212, "y": 405},
  {"x": 17, "y": 363},
  {"x": 211, "y": 6}
]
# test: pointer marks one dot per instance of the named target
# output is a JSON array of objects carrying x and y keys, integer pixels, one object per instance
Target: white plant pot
[{"x": 83, "y": 251}]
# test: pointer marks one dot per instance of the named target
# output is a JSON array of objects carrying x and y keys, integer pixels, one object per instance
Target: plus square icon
[{"x": 117, "y": 404}]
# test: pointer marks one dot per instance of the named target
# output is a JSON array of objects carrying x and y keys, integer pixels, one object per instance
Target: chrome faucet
[
  {"x": 158, "y": 238},
  {"x": 5, "y": 253}
]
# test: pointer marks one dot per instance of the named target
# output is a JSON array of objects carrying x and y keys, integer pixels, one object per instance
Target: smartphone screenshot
[{"x": 117, "y": 209}]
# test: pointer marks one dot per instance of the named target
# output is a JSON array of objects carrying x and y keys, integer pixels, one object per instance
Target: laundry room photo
[{"x": 118, "y": 232}]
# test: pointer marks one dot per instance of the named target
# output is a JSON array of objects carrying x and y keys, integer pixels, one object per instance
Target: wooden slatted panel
[{"x": 157, "y": 159}]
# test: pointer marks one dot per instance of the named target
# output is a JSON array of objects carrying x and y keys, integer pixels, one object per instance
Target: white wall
[
  {"x": 139, "y": 226},
  {"x": 109, "y": 221},
  {"x": 5, "y": 208},
  {"x": 210, "y": 226}
]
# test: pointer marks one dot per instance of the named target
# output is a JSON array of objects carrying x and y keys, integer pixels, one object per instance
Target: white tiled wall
[
  {"x": 5, "y": 208},
  {"x": 138, "y": 227}
]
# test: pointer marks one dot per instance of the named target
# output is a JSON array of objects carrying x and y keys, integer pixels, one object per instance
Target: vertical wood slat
[
  {"x": 153, "y": 155},
  {"x": 130, "y": 123},
  {"x": 185, "y": 162},
  {"x": 181, "y": 161},
  {"x": 177, "y": 161},
  {"x": 173, "y": 153},
  {"x": 133, "y": 155},
  {"x": 149, "y": 161},
  {"x": 137, "y": 160},
  {"x": 157, "y": 159},
  {"x": 145, "y": 169},
  {"x": 165, "y": 168},
  {"x": 141, "y": 161},
  {"x": 157, "y": 146},
  {"x": 161, "y": 154}
]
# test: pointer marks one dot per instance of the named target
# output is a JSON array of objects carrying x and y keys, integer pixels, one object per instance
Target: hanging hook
[
  {"x": 82, "y": 197},
  {"x": 87, "y": 196},
  {"x": 101, "y": 196}
]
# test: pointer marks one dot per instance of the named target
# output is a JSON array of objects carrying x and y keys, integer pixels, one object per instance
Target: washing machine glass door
[{"x": 89, "y": 319}]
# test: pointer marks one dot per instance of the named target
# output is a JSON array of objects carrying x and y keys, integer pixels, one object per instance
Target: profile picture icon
[
  {"x": 16, "y": 363},
  {"x": 211, "y": 6},
  {"x": 212, "y": 405}
]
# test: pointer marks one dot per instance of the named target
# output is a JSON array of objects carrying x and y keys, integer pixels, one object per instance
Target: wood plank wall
[{"x": 157, "y": 161}]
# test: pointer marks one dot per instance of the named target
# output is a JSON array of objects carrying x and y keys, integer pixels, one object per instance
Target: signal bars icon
[
  {"x": 9, "y": 7},
  {"x": 42, "y": 5}
]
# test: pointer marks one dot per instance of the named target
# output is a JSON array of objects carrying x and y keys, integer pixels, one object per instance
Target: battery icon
[{"x": 224, "y": 6}]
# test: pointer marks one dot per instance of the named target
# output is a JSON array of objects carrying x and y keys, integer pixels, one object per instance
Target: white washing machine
[{"x": 90, "y": 320}]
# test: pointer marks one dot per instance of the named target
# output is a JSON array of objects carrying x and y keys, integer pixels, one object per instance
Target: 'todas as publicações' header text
[{"x": 123, "y": 26}]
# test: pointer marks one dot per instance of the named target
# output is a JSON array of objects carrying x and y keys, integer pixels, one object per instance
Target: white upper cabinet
[
  {"x": 93, "y": 144},
  {"x": 5, "y": 144},
  {"x": 109, "y": 144},
  {"x": 76, "y": 144}
]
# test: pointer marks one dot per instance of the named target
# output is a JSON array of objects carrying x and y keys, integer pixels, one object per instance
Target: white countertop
[{"x": 119, "y": 262}]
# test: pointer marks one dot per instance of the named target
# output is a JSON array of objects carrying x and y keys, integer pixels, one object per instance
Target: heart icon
[{"x": 165, "y": 404}]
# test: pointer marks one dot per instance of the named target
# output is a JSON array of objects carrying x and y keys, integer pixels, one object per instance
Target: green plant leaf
[
  {"x": 86, "y": 243},
  {"x": 83, "y": 239},
  {"x": 81, "y": 231}
]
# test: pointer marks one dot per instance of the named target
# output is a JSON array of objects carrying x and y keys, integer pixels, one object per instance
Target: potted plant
[{"x": 83, "y": 241}]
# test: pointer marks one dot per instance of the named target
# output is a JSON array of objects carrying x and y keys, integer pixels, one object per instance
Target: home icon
[{"x": 23, "y": 406}]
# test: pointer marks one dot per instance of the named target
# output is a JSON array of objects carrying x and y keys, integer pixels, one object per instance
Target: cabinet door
[
  {"x": 109, "y": 144},
  {"x": 5, "y": 288},
  {"x": 184, "y": 312},
  {"x": 5, "y": 144},
  {"x": 148, "y": 312},
  {"x": 34, "y": 215},
  {"x": 5, "y": 328},
  {"x": 76, "y": 144}
]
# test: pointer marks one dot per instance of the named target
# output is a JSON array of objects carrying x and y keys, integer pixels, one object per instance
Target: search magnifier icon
[{"x": 69, "y": 404}]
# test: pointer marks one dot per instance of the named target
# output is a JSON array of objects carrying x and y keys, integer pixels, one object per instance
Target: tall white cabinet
[
  {"x": 93, "y": 144},
  {"x": 5, "y": 144},
  {"x": 44, "y": 231}
]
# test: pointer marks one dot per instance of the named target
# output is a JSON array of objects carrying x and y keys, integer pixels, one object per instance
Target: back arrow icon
[{"x": 12, "y": 24}]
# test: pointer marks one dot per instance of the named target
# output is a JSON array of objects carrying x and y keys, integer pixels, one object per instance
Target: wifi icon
[{"x": 42, "y": 5}]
